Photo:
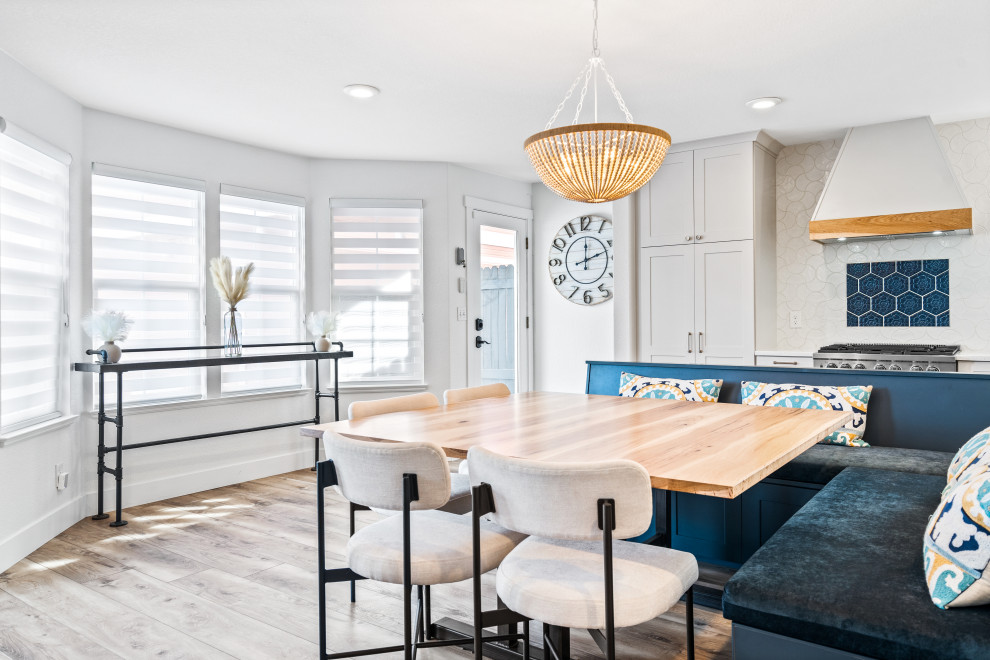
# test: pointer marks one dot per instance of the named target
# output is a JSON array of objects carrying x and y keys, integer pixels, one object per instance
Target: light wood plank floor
[{"x": 231, "y": 573}]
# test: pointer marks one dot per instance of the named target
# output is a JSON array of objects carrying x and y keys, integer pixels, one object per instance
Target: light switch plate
[{"x": 462, "y": 313}]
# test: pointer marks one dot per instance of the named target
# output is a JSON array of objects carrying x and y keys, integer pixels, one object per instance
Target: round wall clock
[{"x": 580, "y": 260}]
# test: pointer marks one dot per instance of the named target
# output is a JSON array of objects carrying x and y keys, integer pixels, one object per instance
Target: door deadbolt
[{"x": 479, "y": 325}]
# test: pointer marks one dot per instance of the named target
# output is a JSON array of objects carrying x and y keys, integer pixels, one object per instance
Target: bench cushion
[
  {"x": 821, "y": 463},
  {"x": 846, "y": 572}
]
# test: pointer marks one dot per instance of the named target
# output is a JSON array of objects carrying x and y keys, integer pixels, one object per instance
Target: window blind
[
  {"x": 147, "y": 263},
  {"x": 266, "y": 229},
  {"x": 377, "y": 285},
  {"x": 34, "y": 203}
]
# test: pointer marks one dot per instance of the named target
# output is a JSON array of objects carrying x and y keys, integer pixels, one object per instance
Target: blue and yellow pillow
[
  {"x": 957, "y": 545},
  {"x": 852, "y": 399},
  {"x": 643, "y": 387},
  {"x": 973, "y": 458}
]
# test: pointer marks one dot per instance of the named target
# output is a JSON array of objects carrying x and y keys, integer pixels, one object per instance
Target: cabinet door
[
  {"x": 670, "y": 220},
  {"x": 666, "y": 304},
  {"x": 723, "y": 193},
  {"x": 724, "y": 302}
]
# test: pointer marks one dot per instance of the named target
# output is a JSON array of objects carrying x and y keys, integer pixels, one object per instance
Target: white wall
[
  {"x": 566, "y": 334},
  {"x": 811, "y": 277},
  {"x": 31, "y": 510}
]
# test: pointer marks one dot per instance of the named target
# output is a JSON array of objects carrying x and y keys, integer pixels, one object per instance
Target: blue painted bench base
[{"x": 755, "y": 644}]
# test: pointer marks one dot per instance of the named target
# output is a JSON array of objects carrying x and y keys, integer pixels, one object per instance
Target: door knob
[
  {"x": 687, "y": 238},
  {"x": 700, "y": 236},
  {"x": 478, "y": 341}
]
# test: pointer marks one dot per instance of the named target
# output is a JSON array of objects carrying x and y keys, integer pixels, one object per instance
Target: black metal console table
[{"x": 103, "y": 367}]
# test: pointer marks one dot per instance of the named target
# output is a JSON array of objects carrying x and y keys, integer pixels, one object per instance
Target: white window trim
[{"x": 61, "y": 416}]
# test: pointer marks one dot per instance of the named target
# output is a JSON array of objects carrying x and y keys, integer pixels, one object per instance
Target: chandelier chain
[
  {"x": 615, "y": 92},
  {"x": 567, "y": 96},
  {"x": 594, "y": 35},
  {"x": 584, "y": 92}
]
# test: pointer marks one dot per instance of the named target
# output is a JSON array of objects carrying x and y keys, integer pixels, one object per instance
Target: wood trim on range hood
[
  {"x": 890, "y": 180},
  {"x": 898, "y": 225}
]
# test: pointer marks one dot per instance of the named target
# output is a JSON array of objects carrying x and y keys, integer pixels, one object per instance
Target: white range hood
[{"x": 891, "y": 180}]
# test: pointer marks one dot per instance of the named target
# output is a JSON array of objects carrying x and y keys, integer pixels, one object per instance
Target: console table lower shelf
[{"x": 101, "y": 369}]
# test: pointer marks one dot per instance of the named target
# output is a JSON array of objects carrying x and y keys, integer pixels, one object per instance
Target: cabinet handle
[
  {"x": 690, "y": 343},
  {"x": 701, "y": 342},
  {"x": 779, "y": 362},
  {"x": 700, "y": 236},
  {"x": 687, "y": 238}
]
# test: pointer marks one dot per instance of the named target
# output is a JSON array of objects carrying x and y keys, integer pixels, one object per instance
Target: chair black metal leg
[
  {"x": 689, "y": 608},
  {"x": 353, "y": 509},
  {"x": 557, "y": 640},
  {"x": 526, "y": 640},
  {"x": 431, "y": 630}
]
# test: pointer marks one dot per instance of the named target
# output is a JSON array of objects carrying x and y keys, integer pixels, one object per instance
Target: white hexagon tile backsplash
[{"x": 811, "y": 277}]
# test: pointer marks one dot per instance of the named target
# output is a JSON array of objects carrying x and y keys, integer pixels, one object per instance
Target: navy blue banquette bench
[{"x": 831, "y": 544}]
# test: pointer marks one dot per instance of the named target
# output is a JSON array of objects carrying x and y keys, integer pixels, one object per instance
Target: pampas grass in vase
[
  {"x": 322, "y": 325},
  {"x": 233, "y": 287},
  {"x": 109, "y": 327}
]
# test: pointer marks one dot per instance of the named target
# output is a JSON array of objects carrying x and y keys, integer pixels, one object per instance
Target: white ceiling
[{"x": 466, "y": 81}]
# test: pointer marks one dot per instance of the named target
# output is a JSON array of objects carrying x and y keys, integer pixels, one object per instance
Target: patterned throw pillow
[
  {"x": 972, "y": 458},
  {"x": 957, "y": 546},
  {"x": 821, "y": 397},
  {"x": 643, "y": 387}
]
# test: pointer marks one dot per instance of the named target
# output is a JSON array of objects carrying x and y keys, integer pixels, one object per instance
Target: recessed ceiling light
[
  {"x": 937, "y": 233},
  {"x": 362, "y": 91},
  {"x": 763, "y": 103},
  {"x": 841, "y": 239}
]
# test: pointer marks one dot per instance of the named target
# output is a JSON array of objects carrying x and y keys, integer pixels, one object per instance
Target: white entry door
[{"x": 498, "y": 300}]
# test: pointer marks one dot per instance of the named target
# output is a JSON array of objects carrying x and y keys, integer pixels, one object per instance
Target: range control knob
[
  {"x": 831, "y": 365},
  {"x": 845, "y": 365},
  {"x": 895, "y": 367},
  {"x": 880, "y": 367},
  {"x": 916, "y": 367},
  {"x": 860, "y": 365},
  {"x": 931, "y": 367}
]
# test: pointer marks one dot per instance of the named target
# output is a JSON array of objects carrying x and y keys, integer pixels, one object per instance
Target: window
[
  {"x": 147, "y": 263},
  {"x": 267, "y": 229},
  {"x": 34, "y": 203},
  {"x": 377, "y": 285}
]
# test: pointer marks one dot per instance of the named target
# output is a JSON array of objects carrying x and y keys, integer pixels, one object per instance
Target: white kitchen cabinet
[
  {"x": 798, "y": 360},
  {"x": 708, "y": 295},
  {"x": 697, "y": 303},
  {"x": 707, "y": 192}
]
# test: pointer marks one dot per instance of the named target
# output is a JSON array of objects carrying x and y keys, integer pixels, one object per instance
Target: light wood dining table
[{"x": 718, "y": 449}]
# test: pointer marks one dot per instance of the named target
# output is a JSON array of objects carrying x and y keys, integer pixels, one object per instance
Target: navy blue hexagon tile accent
[{"x": 898, "y": 293}]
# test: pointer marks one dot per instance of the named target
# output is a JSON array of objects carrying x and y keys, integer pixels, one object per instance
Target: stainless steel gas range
[{"x": 887, "y": 357}]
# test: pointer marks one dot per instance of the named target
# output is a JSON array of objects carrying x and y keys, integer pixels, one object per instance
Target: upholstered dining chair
[
  {"x": 420, "y": 547},
  {"x": 472, "y": 393},
  {"x": 574, "y": 571}
]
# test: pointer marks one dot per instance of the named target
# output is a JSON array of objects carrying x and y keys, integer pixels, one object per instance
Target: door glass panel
[{"x": 498, "y": 306}]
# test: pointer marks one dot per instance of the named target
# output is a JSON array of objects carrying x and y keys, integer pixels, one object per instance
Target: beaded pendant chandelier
[{"x": 596, "y": 162}]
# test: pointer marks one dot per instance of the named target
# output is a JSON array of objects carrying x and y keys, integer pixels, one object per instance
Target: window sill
[
  {"x": 363, "y": 388},
  {"x": 169, "y": 406},
  {"x": 36, "y": 430}
]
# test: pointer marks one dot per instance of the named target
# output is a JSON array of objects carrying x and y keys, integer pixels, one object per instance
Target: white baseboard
[{"x": 29, "y": 538}]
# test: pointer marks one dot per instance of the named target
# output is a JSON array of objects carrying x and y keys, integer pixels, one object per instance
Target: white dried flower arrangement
[
  {"x": 107, "y": 325},
  {"x": 232, "y": 285},
  {"x": 322, "y": 323}
]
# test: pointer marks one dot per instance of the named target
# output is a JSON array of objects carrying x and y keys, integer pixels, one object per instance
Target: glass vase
[{"x": 232, "y": 330}]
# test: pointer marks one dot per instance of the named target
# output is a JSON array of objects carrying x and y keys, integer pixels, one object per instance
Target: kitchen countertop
[{"x": 962, "y": 355}]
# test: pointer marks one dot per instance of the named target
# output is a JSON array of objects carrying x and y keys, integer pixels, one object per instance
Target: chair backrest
[
  {"x": 362, "y": 409},
  {"x": 480, "y": 392},
  {"x": 560, "y": 500},
  {"x": 370, "y": 473}
]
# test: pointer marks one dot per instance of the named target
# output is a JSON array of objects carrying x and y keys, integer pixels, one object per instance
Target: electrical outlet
[
  {"x": 462, "y": 313},
  {"x": 61, "y": 477},
  {"x": 796, "y": 319}
]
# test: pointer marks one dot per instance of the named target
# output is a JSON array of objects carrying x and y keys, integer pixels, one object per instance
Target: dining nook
[{"x": 439, "y": 330}]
